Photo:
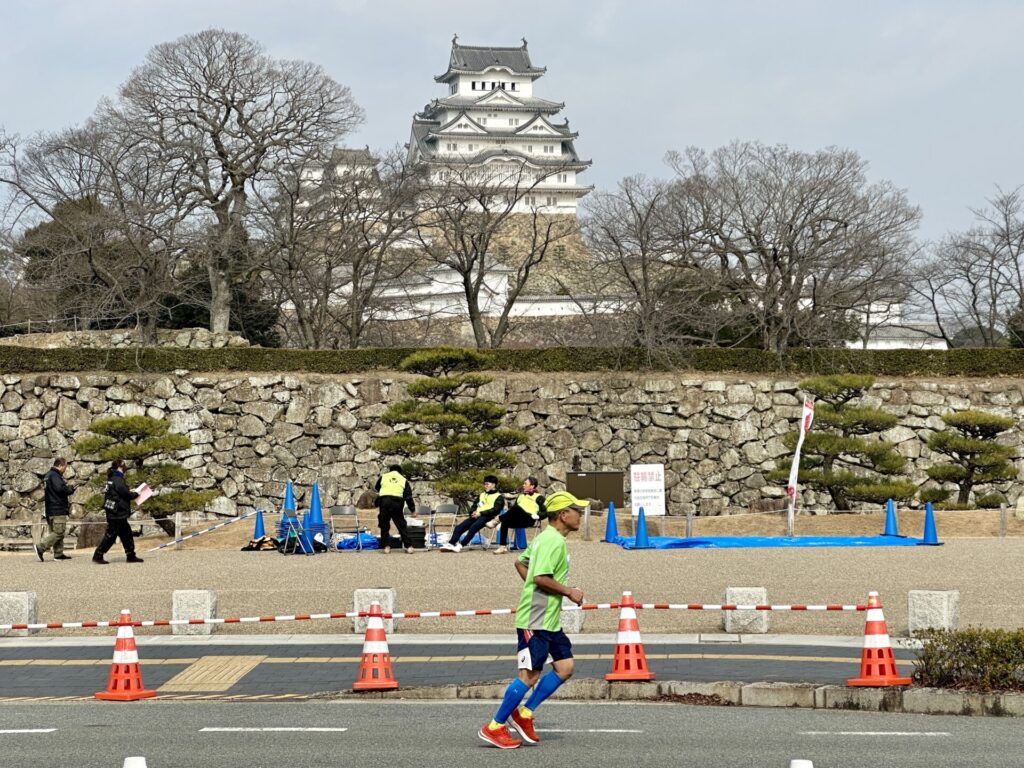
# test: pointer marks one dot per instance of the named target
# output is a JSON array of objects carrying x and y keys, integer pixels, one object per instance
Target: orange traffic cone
[
  {"x": 877, "y": 664},
  {"x": 375, "y": 667},
  {"x": 630, "y": 660},
  {"x": 125, "y": 683}
]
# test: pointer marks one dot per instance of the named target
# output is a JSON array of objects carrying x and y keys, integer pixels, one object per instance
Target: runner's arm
[
  {"x": 547, "y": 583},
  {"x": 522, "y": 569}
]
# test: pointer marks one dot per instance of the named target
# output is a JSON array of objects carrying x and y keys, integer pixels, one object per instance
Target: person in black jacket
[
  {"x": 117, "y": 503},
  {"x": 56, "y": 507}
]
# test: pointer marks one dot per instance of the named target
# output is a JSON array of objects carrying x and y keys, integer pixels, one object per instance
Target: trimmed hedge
[
  {"x": 973, "y": 659},
  {"x": 800, "y": 362}
]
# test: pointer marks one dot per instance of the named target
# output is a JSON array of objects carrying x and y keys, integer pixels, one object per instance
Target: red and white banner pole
[{"x": 806, "y": 419}]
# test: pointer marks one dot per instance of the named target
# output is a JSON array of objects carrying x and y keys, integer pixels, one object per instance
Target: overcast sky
[{"x": 928, "y": 92}]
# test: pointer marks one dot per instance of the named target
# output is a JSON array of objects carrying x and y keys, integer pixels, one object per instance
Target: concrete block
[
  {"x": 193, "y": 604},
  {"x": 482, "y": 691},
  {"x": 572, "y": 621},
  {"x": 427, "y": 692},
  {"x": 863, "y": 699},
  {"x": 639, "y": 691},
  {"x": 746, "y": 622},
  {"x": 778, "y": 695},
  {"x": 932, "y": 609},
  {"x": 589, "y": 689},
  {"x": 18, "y": 608},
  {"x": 388, "y": 599},
  {"x": 1012, "y": 704},
  {"x": 941, "y": 701},
  {"x": 729, "y": 691}
]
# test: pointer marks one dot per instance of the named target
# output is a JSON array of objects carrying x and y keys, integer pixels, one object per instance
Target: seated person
[
  {"x": 488, "y": 506},
  {"x": 524, "y": 513}
]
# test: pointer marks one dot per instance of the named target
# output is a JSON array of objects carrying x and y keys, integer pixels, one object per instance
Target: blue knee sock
[
  {"x": 513, "y": 695},
  {"x": 544, "y": 688}
]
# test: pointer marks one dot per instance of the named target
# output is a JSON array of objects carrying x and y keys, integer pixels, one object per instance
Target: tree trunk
[{"x": 220, "y": 301}]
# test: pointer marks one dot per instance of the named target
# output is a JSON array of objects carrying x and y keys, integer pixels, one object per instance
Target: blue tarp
[{"x": 725, "y": 542}]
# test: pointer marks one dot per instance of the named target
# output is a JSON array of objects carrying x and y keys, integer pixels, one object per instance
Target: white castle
[{"x": 491, "y": 128}]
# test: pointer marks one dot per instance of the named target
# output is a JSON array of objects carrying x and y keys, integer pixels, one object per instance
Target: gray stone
[
  {"x": 572, "y": 621},
  {"x": 71, "y": 416},
  {"x": 727, "y": 690},
  {"x": 932, "y": 609},
  {"x": 778, "y": 695},
  {"x": 623, "y": 691},
  {"x": 863, "y": 699},
  {"x": 361, "y": 600},
  {"x": 745, "y": 622},
  {"x": 193, "y": 604},
  {"x": 18, "y": 608},
  {"x": 251, "y": 426}
]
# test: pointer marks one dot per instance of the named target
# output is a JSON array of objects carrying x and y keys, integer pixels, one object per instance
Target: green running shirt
[{"x": 545, "y": 556}]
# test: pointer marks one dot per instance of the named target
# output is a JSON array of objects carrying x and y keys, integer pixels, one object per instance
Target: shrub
[
  {"x": 972, "y": 659},
  {"x": 975, "y": 458}
]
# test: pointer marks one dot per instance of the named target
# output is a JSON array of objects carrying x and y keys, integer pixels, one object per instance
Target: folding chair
[
  {"x": 343, "y": 510},
  {"x": 442, "y": 509}
]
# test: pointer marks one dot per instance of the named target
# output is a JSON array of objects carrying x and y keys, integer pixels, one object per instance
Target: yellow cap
[{"x": 560, "y": 500}]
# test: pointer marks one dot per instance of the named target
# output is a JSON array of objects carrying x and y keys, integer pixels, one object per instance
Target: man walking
[
  {"x": 544, "y": 567},
  {"x": 394, "y": 492},
  {"x": 56, "y": 507}
]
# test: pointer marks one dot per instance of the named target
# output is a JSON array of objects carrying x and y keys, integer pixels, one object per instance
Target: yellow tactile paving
[{"x": 212, "y": 673}]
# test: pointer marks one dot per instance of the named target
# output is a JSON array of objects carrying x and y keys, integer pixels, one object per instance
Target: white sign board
[{"x": 647, "y": 489}]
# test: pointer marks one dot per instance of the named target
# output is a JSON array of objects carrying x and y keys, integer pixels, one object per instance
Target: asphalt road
[
  {"x": 262, "y": 667},
  {"x": 398, "y": 734}
]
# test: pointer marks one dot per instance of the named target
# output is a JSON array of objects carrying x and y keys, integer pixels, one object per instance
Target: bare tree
[
  {"x": 334, "y": 230},
  {"x": 803, "y": 243},
  {"x": 220, "y": 114},
  {"x": 972, "y": 284},
  {"x": 100, "y": 223},
  {"x": 477, "y": 215}
]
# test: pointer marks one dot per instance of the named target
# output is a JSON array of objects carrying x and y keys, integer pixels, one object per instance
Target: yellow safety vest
[
  {"x": 528, "y": 503},
  {"x": 392, "y": 484},
  {"x": 486, "y": 502}
]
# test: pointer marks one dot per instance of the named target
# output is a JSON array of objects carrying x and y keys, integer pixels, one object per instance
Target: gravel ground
[{"x": 986, "y": 571}]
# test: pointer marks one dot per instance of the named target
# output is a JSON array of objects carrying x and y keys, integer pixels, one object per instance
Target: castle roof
[{"x": 471, "y": 59}]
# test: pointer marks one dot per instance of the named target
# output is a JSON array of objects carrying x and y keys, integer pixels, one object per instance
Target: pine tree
[
  {"x": 976, "y": 457},
  {"x": 446, "y": 434},
  {"x": 842, "y": 454},
  {"x": 140, "y": 441}
]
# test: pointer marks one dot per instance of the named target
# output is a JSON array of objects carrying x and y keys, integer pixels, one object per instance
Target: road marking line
[
  {"x": 212, "y": 673},
  {"x": 874, "y": 733},
  {"x": 28, "y": 730},
  {"x": 587, "y": 730},
  {"x": 282, "y": 729}
]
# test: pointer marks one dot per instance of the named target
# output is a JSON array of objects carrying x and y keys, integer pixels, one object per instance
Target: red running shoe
[
  {"x": 525, "y": 727},
  {"x": 499, "y": 737}
]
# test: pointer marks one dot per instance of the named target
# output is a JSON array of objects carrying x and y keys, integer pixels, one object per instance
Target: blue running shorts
[{"x": 535, "y": 645}]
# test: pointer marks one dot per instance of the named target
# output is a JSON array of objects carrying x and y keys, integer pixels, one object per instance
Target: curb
[{"x": 920, "y": 701}]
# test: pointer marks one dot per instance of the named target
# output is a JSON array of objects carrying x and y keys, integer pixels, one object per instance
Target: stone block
[
  {"x": 745, "y": 622},
  {"x": 18, "y": 608},
  {"x": 588, "y": 689},
  {"x": 572, "y": 621},
  {"x": 778, "y": 695},
  {"x": 482, "y": 691},
  {"x": 940, "y": 701},
  {"x": 729, "y": 691},
  {"x": 639, "y": 691},
  {"x": 193, "y": 604},
  {"x": 935, "y": 609},
  {"x": 388, "y": 599},
  {"x": 863, "y": 699}
]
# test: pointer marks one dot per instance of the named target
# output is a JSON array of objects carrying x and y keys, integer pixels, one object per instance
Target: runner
[{"x": 544, "y": 566}]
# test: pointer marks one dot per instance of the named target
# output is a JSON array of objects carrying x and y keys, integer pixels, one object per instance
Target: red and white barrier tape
[{"x": 423, "y": 615}]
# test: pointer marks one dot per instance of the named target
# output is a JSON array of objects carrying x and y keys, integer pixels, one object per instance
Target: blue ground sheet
[{"x": 723, "y": 542}]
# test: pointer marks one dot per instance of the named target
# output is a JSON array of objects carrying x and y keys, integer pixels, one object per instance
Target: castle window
[
  {"x": 529, "y": 147},
  {"x": 563, "y": 178},
  {"x": 550, "y": 200},
  {"x": 471, "y": 147},
  {"x": 548, "y": 149},
  {"x": 513, "y": 121},
  {"x": 473, "y": 86},
  {"x": 513, "y": 86},
  {"x": 453, "y": 147},
  {"x": 483, "y": 121}
]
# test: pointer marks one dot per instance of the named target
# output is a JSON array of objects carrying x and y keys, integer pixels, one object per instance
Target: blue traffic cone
[
  {"x": 931, "y": 538},
  {"x": 611, "y": 529},
  {"x": 315, "y": 516},
  {"x": 289, "y": 498},
  {"x": 642, "y": 539},
  {"x": 260, "y": 531},
  {"x": 520, "y": 538},
  {"x": 891, "y": 528}
]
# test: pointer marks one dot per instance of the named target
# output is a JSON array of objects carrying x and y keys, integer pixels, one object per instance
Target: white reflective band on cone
[
  {"x": 876, "y": 641},
  {"x": 627, "y": 613},
  {"x": 375, "y": 646},
  {"x": 627, "y": 636},
  {"x": 875, "y": 614},
  {"x": 135, "y": 762},
  {"x": 126, "y": 657}
]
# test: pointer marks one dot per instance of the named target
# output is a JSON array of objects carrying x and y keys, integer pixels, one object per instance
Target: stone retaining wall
[{"x": 716, "y": 435}]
